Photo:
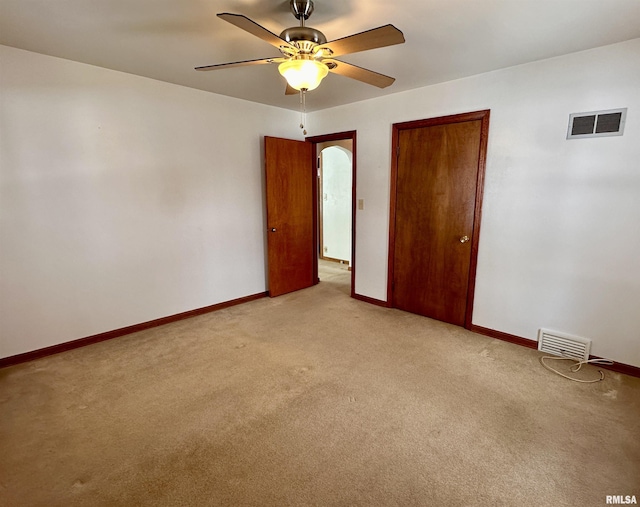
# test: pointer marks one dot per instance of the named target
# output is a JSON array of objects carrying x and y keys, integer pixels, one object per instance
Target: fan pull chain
[{"x": 303, "y": 110}]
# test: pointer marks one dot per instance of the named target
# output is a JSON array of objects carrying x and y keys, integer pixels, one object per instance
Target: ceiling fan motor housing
[
  {"x": 307, "y": 33},
  {"x": 304, "y": 38}
]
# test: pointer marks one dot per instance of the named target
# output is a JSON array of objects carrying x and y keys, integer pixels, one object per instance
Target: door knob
[
  {"x": 273, "y": 229},
  {"x": 464, "y": 239}
]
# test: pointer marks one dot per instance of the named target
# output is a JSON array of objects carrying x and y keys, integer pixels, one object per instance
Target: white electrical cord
[{"x": 576, "y": 367}]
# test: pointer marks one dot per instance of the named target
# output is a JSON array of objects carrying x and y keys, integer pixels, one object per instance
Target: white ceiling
[{"x": 445, "y": 39}]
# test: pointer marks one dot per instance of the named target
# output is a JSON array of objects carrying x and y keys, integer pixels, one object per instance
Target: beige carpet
[{"x": 312, "y": 398}]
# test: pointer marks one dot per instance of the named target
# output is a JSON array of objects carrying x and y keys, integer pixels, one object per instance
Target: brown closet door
[{"x": 437, "y": 174}]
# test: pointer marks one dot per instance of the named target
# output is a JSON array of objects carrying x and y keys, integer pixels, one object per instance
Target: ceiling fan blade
[
  {"x": 358, "y": 73},
  {"x": 241, "y": 64},
  {"x": 255, "y": 29},
  {"x": 380, "y": 37}
]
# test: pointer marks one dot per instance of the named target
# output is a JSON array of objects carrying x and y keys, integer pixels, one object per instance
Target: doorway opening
[{"x": 335, "y": 163}]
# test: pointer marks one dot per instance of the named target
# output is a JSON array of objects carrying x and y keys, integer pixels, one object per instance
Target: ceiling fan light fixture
[{"x": 303, "y": 74}]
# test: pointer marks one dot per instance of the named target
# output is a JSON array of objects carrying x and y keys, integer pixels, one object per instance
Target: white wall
[
  {"x": 337, "y": 169},
  {"x": 560, "y": 238},
  {"x": 123, "y": 199}
]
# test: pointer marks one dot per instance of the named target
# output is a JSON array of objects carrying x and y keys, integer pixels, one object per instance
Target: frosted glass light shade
[{"x": 303, "y": 74}]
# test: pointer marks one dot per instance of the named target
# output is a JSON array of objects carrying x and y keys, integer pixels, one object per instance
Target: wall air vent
[
  {"x": 562, "y": 344},
  {"x": 597, "y": 124}
]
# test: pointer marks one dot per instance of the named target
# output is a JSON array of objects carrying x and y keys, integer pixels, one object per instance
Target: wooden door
[
  {"x": 291, "y": 215},
  {"x": 437, "y": 180}
]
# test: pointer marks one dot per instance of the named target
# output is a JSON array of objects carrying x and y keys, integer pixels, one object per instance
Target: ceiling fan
[{"x": 307, "y": 57}]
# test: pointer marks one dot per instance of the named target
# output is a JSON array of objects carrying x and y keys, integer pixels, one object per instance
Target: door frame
[
  {"x": 483, "y": 116},
  {"x": 338, "y": 136}
]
